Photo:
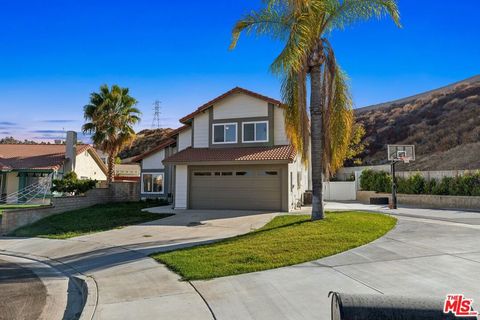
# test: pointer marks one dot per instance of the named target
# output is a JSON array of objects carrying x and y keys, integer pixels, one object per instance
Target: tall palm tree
[
  {"x": 111, "y": 114},
  {"x": 304, "y": 26}
]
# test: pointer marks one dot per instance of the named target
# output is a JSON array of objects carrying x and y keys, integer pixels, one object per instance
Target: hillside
[
  {"x": 444, "y": 124},
  {"x": 146, "y": 139}
]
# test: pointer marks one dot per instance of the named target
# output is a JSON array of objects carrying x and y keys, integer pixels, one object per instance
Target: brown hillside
[
  {"x": 146, "y": 140},
  {"x": 444, "y": 124}
]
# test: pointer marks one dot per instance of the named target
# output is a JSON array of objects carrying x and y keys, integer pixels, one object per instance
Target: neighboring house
[
  {"x": 127, "y": 172},
  {"x": 24, "y": 165},
  {"x": 231, "y": 153}
]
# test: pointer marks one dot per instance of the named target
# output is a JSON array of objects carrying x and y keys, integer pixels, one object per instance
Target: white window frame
[
  {"x": 152, "y": 173},
  {"x": 224, "y": 133},
  {"x": 254, "y": 131}
]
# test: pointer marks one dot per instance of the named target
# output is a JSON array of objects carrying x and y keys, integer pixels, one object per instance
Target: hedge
[{"x": 381, "y": 181}]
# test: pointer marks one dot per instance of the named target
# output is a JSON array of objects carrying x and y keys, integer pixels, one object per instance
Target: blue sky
[{"x": 55, "y": 53}]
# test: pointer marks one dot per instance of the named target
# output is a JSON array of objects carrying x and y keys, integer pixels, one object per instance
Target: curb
[{"x": 85, "y": 284}]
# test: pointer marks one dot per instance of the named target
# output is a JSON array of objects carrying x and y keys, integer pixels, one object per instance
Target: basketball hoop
[
  {"x": 395, "y": 154},
  {"x": 405, "y": 159}
]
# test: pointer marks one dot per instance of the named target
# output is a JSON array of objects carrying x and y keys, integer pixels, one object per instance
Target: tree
[
  {"x": 111, "y": 114},
  {"x": 357, "y": 145},
  {"x": 304, "y": 26}
]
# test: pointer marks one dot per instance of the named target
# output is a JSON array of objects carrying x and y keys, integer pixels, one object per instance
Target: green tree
[
  {"x": 304, "y": 26},
  {"x": 110, "y": 117},
  {"x": 357, "y": 145}
]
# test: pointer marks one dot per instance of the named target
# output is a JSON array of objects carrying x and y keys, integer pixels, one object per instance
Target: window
[
  {"x": 152, "y": 182},
  {"x": 202, "y": 173},
  {"x": 243, "y": 173},
  {"x": 225, "y": 133},
  {"x": 255, "y": 131},
  {"x": 268, "y": 173}
]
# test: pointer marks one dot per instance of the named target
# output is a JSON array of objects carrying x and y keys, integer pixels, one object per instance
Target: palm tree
[
  {"x": 304, "y": 26},
  {"x": 111, "y": 114}
]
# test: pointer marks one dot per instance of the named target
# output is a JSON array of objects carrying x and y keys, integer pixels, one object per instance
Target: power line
[{"x": 156, "y": 115}]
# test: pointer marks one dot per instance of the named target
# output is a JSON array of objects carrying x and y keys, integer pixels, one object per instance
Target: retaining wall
[
  {"x": 117, "y": 192},
  {"x": 426, "y": 200}
]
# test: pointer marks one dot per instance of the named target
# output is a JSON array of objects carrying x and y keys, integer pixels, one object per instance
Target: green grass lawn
[
  {"x": 89, "y": 220},
  {"x": 284, "y": 241}
]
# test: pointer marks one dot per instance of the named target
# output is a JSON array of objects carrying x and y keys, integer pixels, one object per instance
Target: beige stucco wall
[
  {"x": 279, "y": 134},
  {"x": 12, "y": 183},
  {"x": 184, "y": 139},
  {"x": 240, "y": 105},
  {"x": 87, "y": 168},
  {"x": 200, "y": 130},
  {"x": 154, "y": 161},
  {"x": 297, "y": 181}
]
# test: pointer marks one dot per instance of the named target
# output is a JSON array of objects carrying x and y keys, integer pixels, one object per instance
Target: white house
[
  {"x": 23, "y": 165},
  {"x": 231, "y": 153}
]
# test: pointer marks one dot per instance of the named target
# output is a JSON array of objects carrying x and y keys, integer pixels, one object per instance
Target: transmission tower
[{"x": 156, "y": 115}]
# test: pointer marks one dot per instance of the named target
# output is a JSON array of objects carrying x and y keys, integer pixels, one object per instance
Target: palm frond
[
  {"x": 269, "y": 21},
  {"x": 346, "y": 12}
]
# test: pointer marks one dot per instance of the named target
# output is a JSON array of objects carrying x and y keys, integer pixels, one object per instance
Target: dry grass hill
[
  {"x": 444, "y": 124},
  {"x": 146, "y": 140}
]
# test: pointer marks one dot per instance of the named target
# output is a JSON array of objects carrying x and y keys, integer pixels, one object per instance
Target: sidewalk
[{"x": 127, "y": 283}]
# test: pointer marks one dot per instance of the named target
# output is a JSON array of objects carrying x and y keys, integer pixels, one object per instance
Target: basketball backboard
[{"x": 397, "y": 152}]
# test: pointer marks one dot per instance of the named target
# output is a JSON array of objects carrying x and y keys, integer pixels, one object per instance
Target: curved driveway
[{"x": 428, "y": 253}]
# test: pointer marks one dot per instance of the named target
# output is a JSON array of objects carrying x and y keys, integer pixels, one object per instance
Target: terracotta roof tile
[
  {"x": 207, "y": 105},
  {"x": 34, "y": 156},
  {"x": 285, "y": 153}
]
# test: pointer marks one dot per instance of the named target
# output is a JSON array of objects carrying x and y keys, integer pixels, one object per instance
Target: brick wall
[{"x": 117, "y": 192}]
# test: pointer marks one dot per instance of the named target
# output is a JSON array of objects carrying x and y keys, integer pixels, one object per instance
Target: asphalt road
[{"x": 22, "y": 293}]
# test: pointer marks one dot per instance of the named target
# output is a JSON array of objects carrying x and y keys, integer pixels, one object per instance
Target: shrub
[
  {"x": 72, "y": 185},
  {"x": 379, "y": 181}
]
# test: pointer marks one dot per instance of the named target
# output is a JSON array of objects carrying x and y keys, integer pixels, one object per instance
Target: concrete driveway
[
  {"x": 429, "y": 253},
  {"x": 124, "y": 283}
]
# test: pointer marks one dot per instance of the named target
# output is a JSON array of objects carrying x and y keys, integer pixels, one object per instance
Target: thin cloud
[
  {"x": 48, "y": 131},
  {"x": 5, "y": 132},
  {"x": 58, "y": 121},
  {"x": 7, "y": 123}
]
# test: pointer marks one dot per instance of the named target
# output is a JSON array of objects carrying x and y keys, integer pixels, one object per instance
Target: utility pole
[{"x": 156, "y": 115}]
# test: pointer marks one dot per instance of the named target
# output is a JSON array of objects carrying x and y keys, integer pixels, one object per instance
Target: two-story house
[{"x": 231, "y": 153}]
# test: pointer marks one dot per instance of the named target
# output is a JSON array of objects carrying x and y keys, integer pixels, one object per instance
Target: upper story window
[
  {"x": 255, "y": 131},
  {"x": 224, "y": 133}
]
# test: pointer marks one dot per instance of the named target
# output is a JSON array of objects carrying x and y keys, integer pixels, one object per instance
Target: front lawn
[
  {"x": 284, "y": 241},
  {"x": 97, "y": 218}
]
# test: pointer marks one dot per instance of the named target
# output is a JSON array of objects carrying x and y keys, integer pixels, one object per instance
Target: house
[
  {"x": 231, "y": 153},
  {"x": 24, "y": 166}
]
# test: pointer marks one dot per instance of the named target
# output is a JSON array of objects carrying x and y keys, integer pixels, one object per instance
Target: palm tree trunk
[
  {"x": 316, "y": 115},
  {"x": 111, "y": 167}
]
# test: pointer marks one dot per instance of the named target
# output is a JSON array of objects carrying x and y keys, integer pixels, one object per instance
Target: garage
[{"x": 236, "y": 187}]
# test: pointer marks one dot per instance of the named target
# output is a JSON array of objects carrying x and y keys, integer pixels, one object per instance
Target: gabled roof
[
  {"x": 37, "y": 156},
  {"x": 163, "y": 144},
  {"x": 276, "y": 153},
  {"x": 207, "y": 105}
]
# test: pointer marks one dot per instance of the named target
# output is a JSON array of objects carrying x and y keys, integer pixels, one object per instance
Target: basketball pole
[{"x": 394, "y": 186}]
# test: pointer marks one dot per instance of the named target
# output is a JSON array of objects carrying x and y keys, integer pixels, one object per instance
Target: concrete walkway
[
  {"x": 124, "y": 282},
  {"x": 429, "y": 253}
]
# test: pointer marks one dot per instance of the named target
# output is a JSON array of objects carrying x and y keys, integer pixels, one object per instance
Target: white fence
[{"x": 340, "y": 191}]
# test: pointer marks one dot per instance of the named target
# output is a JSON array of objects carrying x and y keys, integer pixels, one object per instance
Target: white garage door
[{"x": 239, "y": 187}]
